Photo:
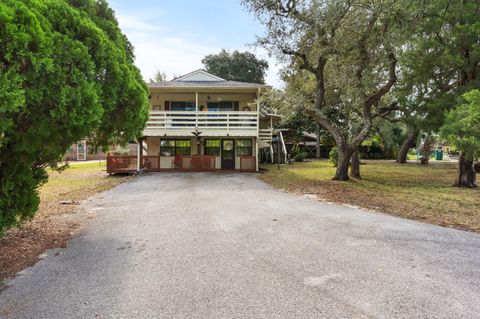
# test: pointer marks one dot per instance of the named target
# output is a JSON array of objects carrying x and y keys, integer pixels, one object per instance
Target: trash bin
[{"x": 439, "y": 155}]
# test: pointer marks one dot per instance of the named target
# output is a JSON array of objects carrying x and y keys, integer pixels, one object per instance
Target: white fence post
[{"x": 138, "y": 154}]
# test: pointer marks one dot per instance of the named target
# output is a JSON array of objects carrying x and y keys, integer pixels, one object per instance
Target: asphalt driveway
[{"x": 228, "y": 246}]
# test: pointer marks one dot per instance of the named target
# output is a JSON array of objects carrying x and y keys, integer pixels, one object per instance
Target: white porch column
[
  {"x": 196, "y": 108},
  {"x": 196, "y": 101},
  {"x": 258, "y": 112},
  {"x": 257, "y": 158},
  {"x": 139, "y": 145}
]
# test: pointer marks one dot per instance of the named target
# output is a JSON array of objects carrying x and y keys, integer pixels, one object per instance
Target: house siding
[{"x": 153, "y": 149}]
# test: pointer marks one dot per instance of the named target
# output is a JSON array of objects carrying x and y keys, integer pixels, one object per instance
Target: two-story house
[{"x": 201, "y": 122}]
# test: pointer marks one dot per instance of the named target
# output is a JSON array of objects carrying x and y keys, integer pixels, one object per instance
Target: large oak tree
[
  {"x": 350, "y": 48},
  {"x": 442, "y": 62},
  {"x": 236, "y": 66},
  {"x": 462, "y": 129}
]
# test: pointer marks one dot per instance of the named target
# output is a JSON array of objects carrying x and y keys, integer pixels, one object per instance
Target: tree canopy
[
  {"x": 66, "y": 73},
  {"x": 236, "y": 66},
  {"x": 159, "y": 76},
  {"x": 462, "y": 130},
  {"x": 441, "y": 63},
  {"x": 348, "y": 49}
]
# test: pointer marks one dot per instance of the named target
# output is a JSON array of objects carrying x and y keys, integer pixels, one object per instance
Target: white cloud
[
  {"x": 158, "y": 48},
  {"x": 272, "y": 76},
  {"x": 129, "y": 22}
]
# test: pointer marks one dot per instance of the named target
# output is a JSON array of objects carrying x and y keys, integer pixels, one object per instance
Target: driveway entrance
[{"x": 206, "y": 245}]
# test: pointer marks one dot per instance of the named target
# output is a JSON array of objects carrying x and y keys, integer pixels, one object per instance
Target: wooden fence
[
  {"x": 248, "y": 163},
  {"x": 121, "y": 164},
  {"x": 198, "y": 163},
  {"x": 149, "y": 163}
]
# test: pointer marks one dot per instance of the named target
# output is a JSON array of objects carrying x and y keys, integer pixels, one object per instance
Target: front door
[{"x": 228, "y": 154}]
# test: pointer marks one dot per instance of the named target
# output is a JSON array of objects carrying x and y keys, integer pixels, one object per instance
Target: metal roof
[
  {"x": 202, "y": 79},
  {"x": 206, "y": 84}
]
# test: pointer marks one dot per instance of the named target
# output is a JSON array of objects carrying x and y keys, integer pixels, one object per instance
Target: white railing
[
  {"x": 284, "y": 148},
  {"x": 163, "y": 122},
  {"x": 265, "y": 134}
]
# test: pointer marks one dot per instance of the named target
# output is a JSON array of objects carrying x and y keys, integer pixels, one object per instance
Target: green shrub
[
  {"x": 333, "y": 156},
  {"x": 299, "y": 156}
]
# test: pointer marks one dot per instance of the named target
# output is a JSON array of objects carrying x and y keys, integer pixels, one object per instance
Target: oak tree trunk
[
  {"x": 424, "y": 160},
  {"x": 344, "y": 155},
  {"x": 317, "y": 143},
  {"x": 466, "y": 175},
  {"x": 355, "y": 165},
  {"x": 408, "y": 143}
]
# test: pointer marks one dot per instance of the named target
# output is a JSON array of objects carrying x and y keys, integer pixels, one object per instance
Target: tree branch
[
  {"x": 320, "y": 118},
  {"x": 385, "y": 111},
  {"x": 392, "y": 78},
  {"x": 340, "y": 18},
  {"x": 305, "y": 65}
]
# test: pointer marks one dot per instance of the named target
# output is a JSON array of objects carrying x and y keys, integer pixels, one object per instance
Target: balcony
[{"x": 216, "y": 123}]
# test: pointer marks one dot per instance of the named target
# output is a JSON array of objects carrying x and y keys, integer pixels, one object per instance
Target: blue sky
[{"x": 173, "y": 36}]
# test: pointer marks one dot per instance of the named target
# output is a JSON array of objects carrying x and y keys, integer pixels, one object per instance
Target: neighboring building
[
  {"x": 200, "y": 122},
  {"x": 81, "y": 151},
  {"x": 307, "y": 143}
]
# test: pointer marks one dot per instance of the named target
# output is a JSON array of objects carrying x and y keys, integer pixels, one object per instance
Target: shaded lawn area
[
  {"x": 412, "y": 191},
  {"x": 57, "y": 216},
  {"x": 76, "y": 183}
]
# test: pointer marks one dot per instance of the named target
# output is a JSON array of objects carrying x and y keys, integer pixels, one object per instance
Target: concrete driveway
[{"x": 228, "y": 246}]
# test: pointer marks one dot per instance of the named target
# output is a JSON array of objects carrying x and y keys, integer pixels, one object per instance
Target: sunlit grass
[
  {"x": 74, "y": 183},
  {"x": 410, "y": 190}
]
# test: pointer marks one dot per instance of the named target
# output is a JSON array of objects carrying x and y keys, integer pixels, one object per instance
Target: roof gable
[{"x": 199, "y": 76}]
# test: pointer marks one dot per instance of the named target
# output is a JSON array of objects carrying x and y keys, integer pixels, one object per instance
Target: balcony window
[
  {"x": 182, "y": 106},
  {"x": 220, "y": 106},
  {"x": 212, "y": 147},
  {"x": 175, "y": 147},
  {"x": 244, "y": 148}
]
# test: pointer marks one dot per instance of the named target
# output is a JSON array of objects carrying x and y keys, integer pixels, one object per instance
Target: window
[
  {"x": 167, "y": 147},
  {"x": 212, "y": 147},
  {"x": 81, "y": 151},
  {"x": 182, "y": 106},
  {"x": 183, "y": 147},
  {"x": 220, "y": 106},
  {"x": 244, "y": 148},
  {"x": 175, "y": 147}
]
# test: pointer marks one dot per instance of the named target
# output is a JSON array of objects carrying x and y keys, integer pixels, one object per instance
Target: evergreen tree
[{"x": 66, "y": 73}]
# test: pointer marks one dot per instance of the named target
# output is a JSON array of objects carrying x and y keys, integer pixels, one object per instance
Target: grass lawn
[
  {"x": 412, "y": 191},
  {"x": 56, "y": 218},
  {"x": 76, "y": 183}
]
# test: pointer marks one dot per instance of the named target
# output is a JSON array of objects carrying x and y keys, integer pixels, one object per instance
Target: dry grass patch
[
  {"x": 57, "y": 217},
  {"x": 411, "y": 190}
]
